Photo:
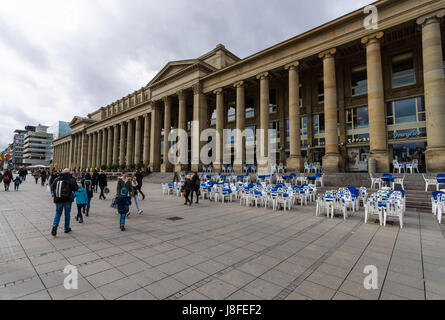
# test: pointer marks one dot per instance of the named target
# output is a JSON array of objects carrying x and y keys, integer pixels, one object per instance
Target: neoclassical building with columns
[{"x": 337, "y": 94}]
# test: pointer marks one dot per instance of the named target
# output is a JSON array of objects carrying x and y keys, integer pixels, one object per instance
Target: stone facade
[{"x": 337, "y": 94}]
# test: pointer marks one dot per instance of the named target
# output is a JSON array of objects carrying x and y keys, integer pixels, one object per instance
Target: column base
[
  {"x": 295, "y": 164},
  {"x": 382, "y": 161},
  {"x": 166, "y": 168},
  {"x": 217, "y": 167},
  {"x": 238, "y": 168},
  {"x": 196, "y": 167},
  {"x": 435, "y": 160},
  {"x": 263, "y": 168},
  {"x": 155, "y": 167},
  {"x": 181, "y": 168},
  {"x": 332, "y": 162}
]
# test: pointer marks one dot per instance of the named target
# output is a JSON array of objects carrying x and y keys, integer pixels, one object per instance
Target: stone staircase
[{"x": 158, "y": 178}]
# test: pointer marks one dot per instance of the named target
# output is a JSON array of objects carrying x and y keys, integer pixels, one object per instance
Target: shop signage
[{"x": 406, "y": 135}]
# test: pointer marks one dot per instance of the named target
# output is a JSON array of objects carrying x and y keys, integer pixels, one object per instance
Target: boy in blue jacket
[
  {"x": 123, "y": 203},
  {"x": 81, "y": 201}
]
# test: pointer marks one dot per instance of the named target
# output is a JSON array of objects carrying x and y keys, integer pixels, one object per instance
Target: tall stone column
[
  {"x": 103, "y": 160},
  {"x": 138, "y": 142},
  {"x": 130, "y": 143},
  {"x": 147, "y": 131},
  {"x": 263, "y": 141},
  {"x": 76, "y": 151},
  {"x": 199, "y": 124},
  {"x": 94, "y": 153},
  {"x": 295, "y": 161},
  {"x": 376, "y": 101},
  {"x": 155, "y": 136},
  {"x": 115, "y": 144},
  {"x": 109, "y": 147},
  {"x": 332, "y": 159},
  {"x": 90, "y": 151},
  {"x": 219, "y": 159},
  {"x": 122, "y": 161},
  {"x": 84, "y": 150},
  {"x": 240, "y": 126},
  {"x": 434, "y": 90},
  {"x": 99, "y": 149},
  {"x": 167, "y": 127},
  {"x": 182, "y": 125}
]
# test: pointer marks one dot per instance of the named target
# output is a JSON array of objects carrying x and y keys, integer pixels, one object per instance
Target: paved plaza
[{"x": 215, "y": 252}]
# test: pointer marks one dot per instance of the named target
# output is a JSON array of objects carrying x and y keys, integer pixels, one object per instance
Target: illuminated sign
[{"x": 406, "y": 135}]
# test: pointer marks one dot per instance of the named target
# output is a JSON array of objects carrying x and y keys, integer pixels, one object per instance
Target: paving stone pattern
[{"x": 215, "y": 252}]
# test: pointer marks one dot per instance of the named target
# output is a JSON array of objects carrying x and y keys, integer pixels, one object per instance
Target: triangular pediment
[
  {"x": 171, "y": 69},
  {"x": 79, "y": 120}
]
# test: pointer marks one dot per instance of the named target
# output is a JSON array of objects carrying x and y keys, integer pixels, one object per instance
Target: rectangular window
[
  {"x": 303, "y": 126},
  {"x": 231, "y": 115},
  {"x": 359, "y": 80},
  {"x": 318, "y": 120},
  {"x": 405, "y": 111},
  {"x": 273, "y": 101},
  {"x": 301, "y": 95},
  {"x": 213, "y": 119},
  {"x": 357, "y": 118},
  {"x": 320, "y": 89},
  {"x": 250, "y": 108},
  {"x": 403, "y": 70}
]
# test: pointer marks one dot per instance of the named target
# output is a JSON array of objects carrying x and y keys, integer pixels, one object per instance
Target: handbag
[{"x": 113, "y": 203}]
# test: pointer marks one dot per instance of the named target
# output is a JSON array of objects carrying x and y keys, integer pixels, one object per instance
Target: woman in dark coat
[{"x": 188, "y": 187}]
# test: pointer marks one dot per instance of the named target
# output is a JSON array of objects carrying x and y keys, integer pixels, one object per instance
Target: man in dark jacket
[
  {"x": 63, "y": 188},
  {"x": 102, "y": 180},
  {"x": 140, "y": 178},
  {"x": 124, "y": 182},
  {"x": 196, "y": 182},
  {"x": 95, "y": 179},
  {"x": 188, "y": 187},
  {"x": 87, "y": 184}
]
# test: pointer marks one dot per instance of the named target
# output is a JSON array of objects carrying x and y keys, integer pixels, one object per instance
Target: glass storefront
[{"x": 405, "y": 151}]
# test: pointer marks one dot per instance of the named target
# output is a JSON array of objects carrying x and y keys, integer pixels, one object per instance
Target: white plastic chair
[
  {"x": 397, "y": 166},
  {"x": 432, "y": 182},
  {"x": 375, "y": 182}
]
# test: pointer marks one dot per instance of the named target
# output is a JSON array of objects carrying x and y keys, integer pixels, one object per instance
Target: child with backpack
[
  {"x": 123, "y": 203},
  {"x": 87, "y": 184},
  {"x": 82, "y": 201},
  {"x": 17, "y": 182}
]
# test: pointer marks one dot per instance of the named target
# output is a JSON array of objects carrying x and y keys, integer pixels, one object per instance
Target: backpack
[
  {"x": 6, "y": 178},
  {"x": 62, "y": 190},
  {"x": 88, "y": 186}
]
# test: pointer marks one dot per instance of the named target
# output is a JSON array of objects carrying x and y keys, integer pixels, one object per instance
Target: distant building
[
  {"x": 60, "y": 129},
  {"x": 18, "y": 148},
  {"x": 38, "y": 147}
]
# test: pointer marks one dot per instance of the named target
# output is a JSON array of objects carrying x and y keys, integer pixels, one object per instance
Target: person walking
[
  {"x": 196, "y": 182},
  {"x": 123, "y": 202},
  {"x": 135, "y": 185},
  {"x": 7, "y": 179},
  {"x": 53, "y": 176},
  {"x": 36, "y": 175},
  {"x": 124, "y": 182},
  {"x": 95, "y": 180},
  {"x": 82, "y": 201},
  {"x": 63, "y": 188},
  {"x": 43, "y": 177},
  {"x": 103, "y": 183},
  {"x": 87, "y": 184},
  {"x": 17, "y": 182},
  {"x": 188, "y": 187},
  {"x": 140, "y": 179}
]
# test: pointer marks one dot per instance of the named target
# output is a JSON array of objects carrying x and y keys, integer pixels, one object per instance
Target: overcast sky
[{"x": 64, "y": 58}]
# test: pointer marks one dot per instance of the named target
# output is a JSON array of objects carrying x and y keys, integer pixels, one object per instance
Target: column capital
[
  {"x": 327, "y": 54},
  {"x": 181, "y": 94},
  {"x": 218, "y": 91},
  {"x": 373, "y": 38},
  {"x": 239, "y": 84},
  {"x": 431, "y": 17},
  {"x": 292, "y": 65},
  {"x": 197, "y": 88},
  {"x": 166, "y": 100},
  {"x": 128, "y": 121},
  {"x": 146, "y": 115},
  {"x": 263, "y": 75}
]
